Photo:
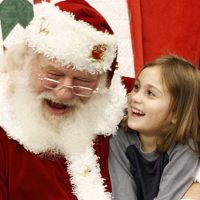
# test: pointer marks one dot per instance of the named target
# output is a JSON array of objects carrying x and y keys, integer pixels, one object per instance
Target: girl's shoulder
[
  {"x": 123, "y": 138},
  {"x": 179, "y": 149}
]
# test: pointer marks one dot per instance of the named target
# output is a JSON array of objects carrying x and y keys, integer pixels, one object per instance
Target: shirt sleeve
[
  {"x": 197, "y": 176},
  {"x": 123, "y": 185},
  {"x": 3, "y": 189},
  {"x": 179, "y": 173}
]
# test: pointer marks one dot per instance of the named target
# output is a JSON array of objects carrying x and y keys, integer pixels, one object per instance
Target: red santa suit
[
  {"x": 28, "y": 168},
  {"x": 24, "y": 175}
]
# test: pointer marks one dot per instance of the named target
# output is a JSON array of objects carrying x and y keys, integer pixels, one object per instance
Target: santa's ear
[
  {"x": 26, "y": 50},
  {"x": 14, "y": 57}
]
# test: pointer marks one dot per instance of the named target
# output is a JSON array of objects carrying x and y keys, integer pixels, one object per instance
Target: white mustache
[{"x": 51, "y": 97}]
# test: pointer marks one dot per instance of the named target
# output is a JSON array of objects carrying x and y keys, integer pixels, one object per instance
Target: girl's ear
[{"x": 173, "y": 120}]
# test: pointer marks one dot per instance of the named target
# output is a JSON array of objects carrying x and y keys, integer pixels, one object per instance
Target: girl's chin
[{"x": 133, "y": 125}]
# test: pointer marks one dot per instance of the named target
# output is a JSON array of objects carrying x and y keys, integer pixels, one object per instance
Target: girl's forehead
[
  {"x": 151, "y": 74},
  {"x": 152, "y": 77}
]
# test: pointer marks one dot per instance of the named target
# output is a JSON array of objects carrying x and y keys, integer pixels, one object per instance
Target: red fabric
[
  {"x": 162, "y": 27},
  {"x": 128, "y": 82},
  {"x": 39, "y": 1},
  {"x": 83, "y": 11},
  {"x": 136, "y": 33},
  {"x": 25, "y": 176}
]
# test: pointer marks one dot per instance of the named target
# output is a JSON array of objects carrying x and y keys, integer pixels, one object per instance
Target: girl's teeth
[{"x": 136, "y": 112}]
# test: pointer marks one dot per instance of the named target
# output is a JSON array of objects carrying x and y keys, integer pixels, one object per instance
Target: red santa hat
[{"x": 74, "y": 34}]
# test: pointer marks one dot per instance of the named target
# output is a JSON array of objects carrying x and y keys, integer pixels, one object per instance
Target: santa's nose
[{"x": 64, "y": 91}]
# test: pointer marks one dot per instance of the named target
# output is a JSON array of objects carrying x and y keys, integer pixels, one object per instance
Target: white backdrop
[{"x": 116, "y": 13}]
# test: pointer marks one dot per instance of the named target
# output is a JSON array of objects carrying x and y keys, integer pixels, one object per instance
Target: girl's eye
[
  {"x": 150, "y": 93},
  {"x": 135, "y": 87}
]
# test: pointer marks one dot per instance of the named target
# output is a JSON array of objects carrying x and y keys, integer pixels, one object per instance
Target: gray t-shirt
[{"x": 176, "y": 178}]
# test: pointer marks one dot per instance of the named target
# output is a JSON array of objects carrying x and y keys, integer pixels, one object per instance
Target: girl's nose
[{"x": 135, "y": 97}]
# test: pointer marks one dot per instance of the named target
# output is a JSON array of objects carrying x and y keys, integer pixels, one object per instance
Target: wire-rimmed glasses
[{"x": 77, "y": 90}]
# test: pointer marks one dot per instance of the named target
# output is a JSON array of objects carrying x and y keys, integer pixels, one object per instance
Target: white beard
[
  {"x": 62, "y": 134},
  {"x": 24, "y": 120},
  {"x": 39, "y": 132}
]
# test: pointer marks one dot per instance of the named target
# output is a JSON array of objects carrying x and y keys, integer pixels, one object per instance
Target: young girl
[{"x": 157, "y": 156}]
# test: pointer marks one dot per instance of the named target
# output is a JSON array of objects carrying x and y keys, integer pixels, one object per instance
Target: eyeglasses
[{"x": 77, "y": 90}]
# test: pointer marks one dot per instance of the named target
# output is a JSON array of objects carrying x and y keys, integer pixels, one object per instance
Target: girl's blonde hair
[{"x": 182, "y": 80}]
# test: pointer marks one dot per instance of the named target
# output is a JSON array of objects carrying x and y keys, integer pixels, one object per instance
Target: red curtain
[
  {"x": 39, "y": 1},
  {"x": 163, "y": 27}
]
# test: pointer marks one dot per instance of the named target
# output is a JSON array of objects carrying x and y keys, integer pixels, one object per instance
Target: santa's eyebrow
[
  {"x": 48, "y": 66},
  {"x": 86, "y": 76}
]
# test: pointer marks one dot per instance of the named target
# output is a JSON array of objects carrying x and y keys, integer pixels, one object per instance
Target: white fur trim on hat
[{"x": 59, "y": 36}]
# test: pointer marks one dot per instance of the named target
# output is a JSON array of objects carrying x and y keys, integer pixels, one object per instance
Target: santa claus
[{"x": 56, "y": 97}]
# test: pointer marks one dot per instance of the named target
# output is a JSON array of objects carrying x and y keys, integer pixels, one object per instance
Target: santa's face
[
  {"x": 53, "y": 120},
  {"x": 60, "y": 100}
]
